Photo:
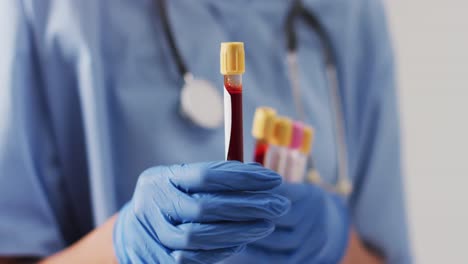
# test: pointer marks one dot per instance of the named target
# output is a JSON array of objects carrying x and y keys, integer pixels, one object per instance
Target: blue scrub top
[{"x": 89, "y": 98}]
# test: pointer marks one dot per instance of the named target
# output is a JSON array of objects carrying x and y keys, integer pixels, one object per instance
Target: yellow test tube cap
[
  {"x": 307, "y": 140},
  {"x": 264, "y": 118},
  {"x": 232, "y": 58},
  {"x": 282, "y": 132}
]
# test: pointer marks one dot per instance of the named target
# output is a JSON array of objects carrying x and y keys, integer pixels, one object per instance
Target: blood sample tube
[
  {"x": 293, "y": 155},
  {"x": 232, "y": 67},
  {"x": 262, "y": 129},
  {"x": 275, "y": 158},
  {"x": 298, "y": 174}
]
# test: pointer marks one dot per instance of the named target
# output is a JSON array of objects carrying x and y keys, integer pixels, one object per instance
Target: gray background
[{"x": 431, "y": 41}]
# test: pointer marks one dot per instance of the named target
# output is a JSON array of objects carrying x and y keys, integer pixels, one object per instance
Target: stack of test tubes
[{"x": 283, "y": 144}]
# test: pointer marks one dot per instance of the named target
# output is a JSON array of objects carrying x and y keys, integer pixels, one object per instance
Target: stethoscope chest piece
[{"x": 201, "y": 103}]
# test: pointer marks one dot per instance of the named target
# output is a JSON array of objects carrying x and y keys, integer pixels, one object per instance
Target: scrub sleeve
[{"x": 28, "y": 171}]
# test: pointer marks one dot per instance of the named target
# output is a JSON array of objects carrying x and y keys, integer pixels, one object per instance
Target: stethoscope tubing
[
  {"x": 343, "y": 185},
  {"x": 181, "y": 66}
]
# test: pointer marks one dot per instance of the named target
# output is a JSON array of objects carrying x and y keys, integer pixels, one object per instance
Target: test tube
[
  {"x": 262, "y": 129},
  {"x": 293, "y": 156},
  {"x": 275, "y": 158},
  {"x": 298, "y": 174},
  {"x": 232, "y": 67}
]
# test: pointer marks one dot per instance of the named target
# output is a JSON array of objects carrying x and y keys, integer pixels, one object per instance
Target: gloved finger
[
  {"x": 134, "y": 244},
  {"x": 164, "y": 198},
  {"x": 205, "y": 256},
  {"x": 246, "y": 206},
  {"x": 288, "y": 240},
  {"x": 152, "y": 254},
  {"x": 323, "y": 241},
  {"x": 335, "y": 233},
  {"x": 297, "y": 191},
  {"x": 195, "y": 236},
  {"x": 276, "y": 257},
  {"x": 307, "y": 209},
  {"x": 254, "y": 164},
  {"x": 312, "y": 251},
  {"x": 254, "y": 255},
  {"x": 223, "y": 176},
  {"x": 306, "y": 200},
  {"x": 180, "y": 207}
]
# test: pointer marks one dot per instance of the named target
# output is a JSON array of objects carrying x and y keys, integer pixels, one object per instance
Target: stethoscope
[{"x": 202, "y": 103}]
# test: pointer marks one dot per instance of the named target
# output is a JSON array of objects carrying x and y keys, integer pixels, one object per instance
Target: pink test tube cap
[{"x": 297, "y": 134}]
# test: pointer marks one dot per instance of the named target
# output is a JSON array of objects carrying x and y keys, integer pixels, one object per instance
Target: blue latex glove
[
  {"x": 315, "y": 230},
  {"x": 197, "y": 213}
]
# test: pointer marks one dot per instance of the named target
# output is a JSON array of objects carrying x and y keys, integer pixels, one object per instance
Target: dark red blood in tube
[
  {"x": 236, "y": 144},
  {"x": 260, "y": 151}
]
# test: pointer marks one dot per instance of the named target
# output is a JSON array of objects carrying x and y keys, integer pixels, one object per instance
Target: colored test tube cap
[
  {"x": 282, "y": 132},
  {"x": 307, "y": 140},
  {"x": 263, "y": 121},
  {"x": 297, "y": 135},
  {"x": 232, "y": 58}
]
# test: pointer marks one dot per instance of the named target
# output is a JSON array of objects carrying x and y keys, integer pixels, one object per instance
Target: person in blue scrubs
[{"x": 89, "y": 99}]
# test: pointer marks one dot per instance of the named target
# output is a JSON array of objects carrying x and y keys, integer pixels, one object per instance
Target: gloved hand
[
  {"x": 315, "y": 230},
  {"x": 197, "y": 213}
]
